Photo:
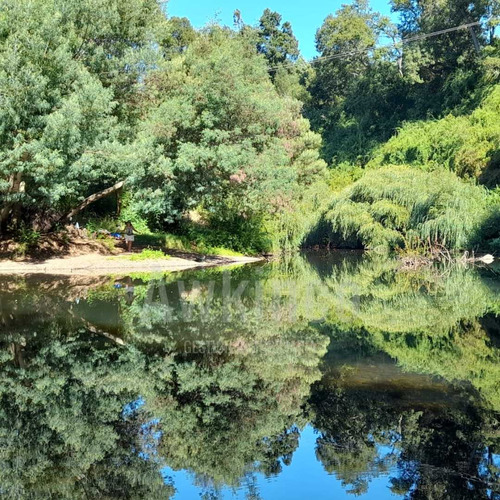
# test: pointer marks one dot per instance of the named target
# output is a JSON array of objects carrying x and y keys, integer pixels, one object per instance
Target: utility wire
[{"x": 415, "y": 38}]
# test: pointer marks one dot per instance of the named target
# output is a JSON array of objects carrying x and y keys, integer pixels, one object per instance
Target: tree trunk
[
  {"x": 17, "y": 355},
  {"x": 16, "y": 186},
  {"x": 91, "y": 199},
  {"x": 118, "y": 202},
  {"x": 474, "y": 40}
]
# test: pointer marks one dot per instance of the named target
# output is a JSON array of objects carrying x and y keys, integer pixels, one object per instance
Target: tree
[
  {"x": 356, "y": 94},
  {"x": 68, "y": 73},
  {"x": 400, "y": 207},
  {"x": 177, "y": 35},
  {"x": 275, "y": 40},
  {"x": 436, "y": 60},
  {"x": 217, "y": 136},
  {"x": 346, "y": 41}
]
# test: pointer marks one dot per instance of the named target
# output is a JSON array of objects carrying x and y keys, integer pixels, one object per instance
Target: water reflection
[{"x": 370, "y": 380}]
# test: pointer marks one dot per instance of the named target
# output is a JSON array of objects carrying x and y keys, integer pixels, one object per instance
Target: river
[{"x": 319, "y": 376}]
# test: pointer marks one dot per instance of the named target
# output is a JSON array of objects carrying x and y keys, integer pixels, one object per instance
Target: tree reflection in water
[{"x": 396, "y": 371}]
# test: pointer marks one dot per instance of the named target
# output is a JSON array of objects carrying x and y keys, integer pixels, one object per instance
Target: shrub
[
  {"x": 467, "y": 145},
  {"x": 401, "y": 207},
  {"x": 343, "y": 175},
  {"x": 27, "y": 238},
  {"x": 489, "y": 233},
  {"x": 289, "y": 228},
  {"x": 110, "y": 244},
  {"x": 93, "y": 223},
  {"x": 183, "y": 243}
]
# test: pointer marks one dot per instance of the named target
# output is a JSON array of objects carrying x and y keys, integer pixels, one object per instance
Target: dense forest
[{"x": 388, "y": 140}]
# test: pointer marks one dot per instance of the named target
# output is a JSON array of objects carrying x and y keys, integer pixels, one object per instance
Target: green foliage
[
  {"x": 129, "y": 213},
  {"x": 343, "y": 175},
  {"x": 66, "y": 99},
  {"x": 28, "y": 239},
  {"x": 93, "y": 224},
  {"x": 230, "y": 231},
  {"x": 468, "y": 145},
  {"x": 213, "y": 131},
  {"x": 191, "y": 241},
  {"x": 148, "y": 254},
  {"x": 357, "y": 94},
  {"x": 199, "y": 239},
  {"x": 438, "y": 57},
  {"x": 400, "y": 207},
  {"x": 176, "y": 36},
  {"x": 360, "y": 95},
  {"x": 217, "y": 135},
  {"x": 288, "y": 230},
  {"x": 352, "y": 32},
  {"x": 212, "y": 120},
  {"x": 276, "y": 41}
]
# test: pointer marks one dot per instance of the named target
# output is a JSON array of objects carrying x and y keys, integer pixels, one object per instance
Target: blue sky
[{"x": 306, "y": 16}]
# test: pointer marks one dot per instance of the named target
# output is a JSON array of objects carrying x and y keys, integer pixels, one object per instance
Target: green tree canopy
[
  {"x": 68, "y": 72},
  {"x": 217, "y": 134}
]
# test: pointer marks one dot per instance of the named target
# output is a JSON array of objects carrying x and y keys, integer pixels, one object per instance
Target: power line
[{"x": 403, "y": 41}]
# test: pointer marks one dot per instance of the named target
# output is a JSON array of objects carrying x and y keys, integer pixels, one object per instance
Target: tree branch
[{"x": 91, "y": 199}]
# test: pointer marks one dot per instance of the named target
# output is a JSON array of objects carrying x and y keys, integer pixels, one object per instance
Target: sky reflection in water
[{"x": 327, "y": 376}]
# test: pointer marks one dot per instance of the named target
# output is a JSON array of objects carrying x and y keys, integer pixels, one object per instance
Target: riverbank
[
  {"x": 74, "y": 253},
  {"x": 96, "y": 264}
]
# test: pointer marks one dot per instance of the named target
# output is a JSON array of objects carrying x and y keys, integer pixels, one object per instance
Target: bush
[
  {"x": 343, "y": 175},
  {"x": 93, "y": 223},
  {"x": 401, "y": 207},
  {"x": 289, "y": 228},
  {"x": 27, "y": 238},
  {"x": 467, "y": 145},
  {"x": 489, "y": 233},
  {"x": 231, "y": 236}
]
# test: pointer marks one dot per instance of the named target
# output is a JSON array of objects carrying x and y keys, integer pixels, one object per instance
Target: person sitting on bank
[{"x": 129, "y": 235}]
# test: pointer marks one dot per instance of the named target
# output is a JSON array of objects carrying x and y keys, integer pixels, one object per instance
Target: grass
[
  {"x": 182, "y": 243},
  {"x": 148, "y": 254}
]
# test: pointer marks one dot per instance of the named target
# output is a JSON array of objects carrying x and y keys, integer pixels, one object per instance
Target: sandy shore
[{"x": 97, "y": 264}]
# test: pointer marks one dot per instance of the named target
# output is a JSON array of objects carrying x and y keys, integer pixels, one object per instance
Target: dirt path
[{"x": 97, "y": 264}]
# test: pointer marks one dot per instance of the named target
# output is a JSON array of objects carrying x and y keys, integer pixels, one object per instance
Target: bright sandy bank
[{"x": 97, "y": 264}]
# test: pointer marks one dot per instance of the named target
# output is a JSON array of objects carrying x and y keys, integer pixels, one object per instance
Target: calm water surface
[{"x": 317, "y": 377}]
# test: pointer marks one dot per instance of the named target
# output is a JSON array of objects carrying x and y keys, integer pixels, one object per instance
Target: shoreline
[{"x": 95, "y": 264}]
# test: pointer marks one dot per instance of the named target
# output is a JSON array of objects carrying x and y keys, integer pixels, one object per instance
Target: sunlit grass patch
[{"x": 148, "y": 254}]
